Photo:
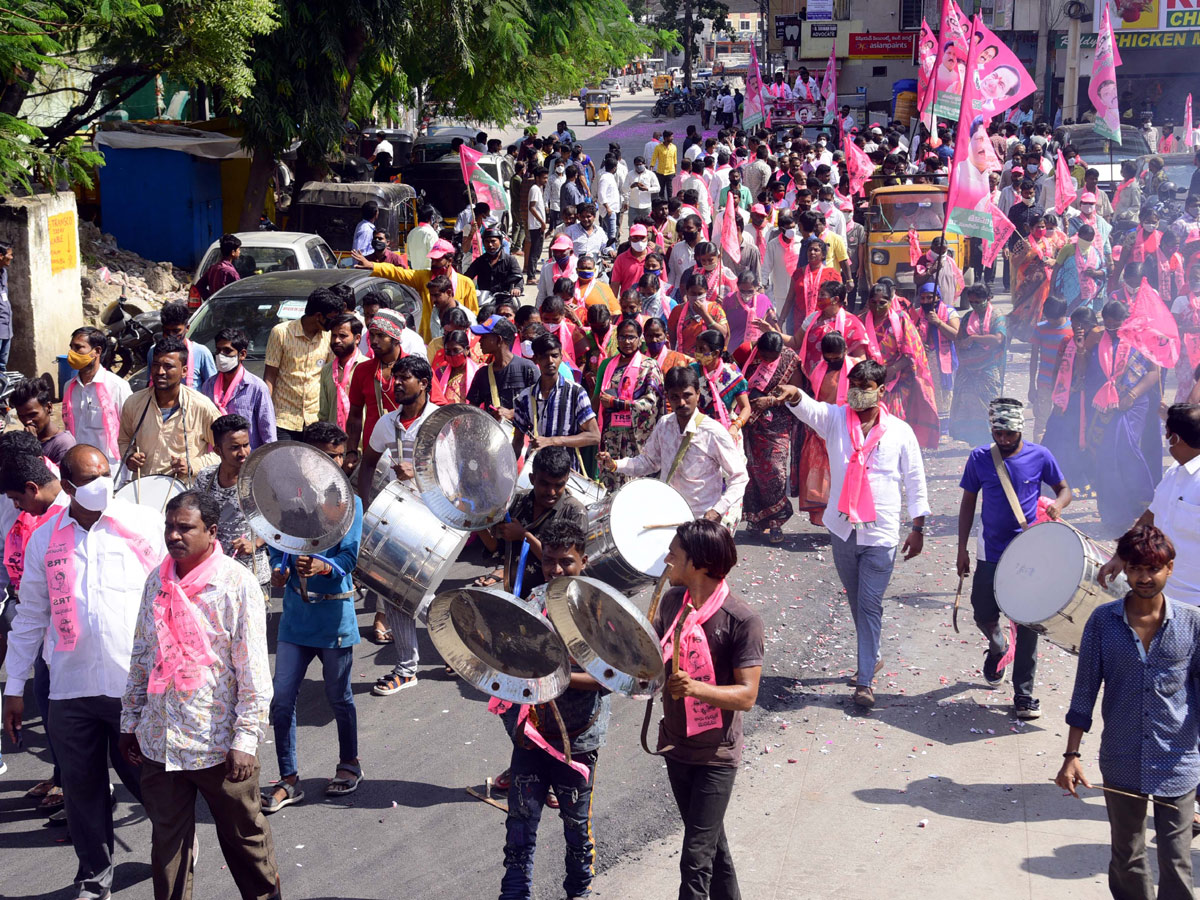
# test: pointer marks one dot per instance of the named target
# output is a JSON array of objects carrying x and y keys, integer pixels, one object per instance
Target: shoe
[
  {"x": 393, "y": 684},
  {"x": 57, "y": 818},
  {"x": 1027, "y": 708},
  {"x": 3, "y": 766},
  {"x": 878, "y": 668},
  {"x": 503, "y": 781},
  {"x": 992, "y": 674},
  {"x": 551, "y": 799},
  {"x": 864, "y": 697}
]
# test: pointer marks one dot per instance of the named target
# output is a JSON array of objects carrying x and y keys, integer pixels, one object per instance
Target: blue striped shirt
[{"x": 562, "y": 414}]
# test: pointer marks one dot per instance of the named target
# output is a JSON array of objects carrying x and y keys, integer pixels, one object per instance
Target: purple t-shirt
[{"x": 1027, "y": 469}]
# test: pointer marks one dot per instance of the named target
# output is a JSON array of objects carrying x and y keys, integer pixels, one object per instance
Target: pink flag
[
  {"x": 1064, "y": 185},
  {"x": 914, "y": 247},
  {"x": 829, "y": 88},
  {"x": 858, "y": 166},
  {"x": 1151, "y": 328},
  {"x": 754, "y": 108},
  {"x": 927, "y": 57},
  {"x": 487, "y": 189},
  {"x": 946, "y": 85},
  {"x": 731, "y": 241},
  {"x": 1000, "y": 79},
  {"x": 1102, "y": 90},
  {"x": 1189, "y": 134},
  {"x": 970, "y": 190},
  {"x": 1002, "y": 228}
]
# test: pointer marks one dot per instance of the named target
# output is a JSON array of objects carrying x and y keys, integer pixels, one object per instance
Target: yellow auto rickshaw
[
  {"x": 663, "y": 82},
  {"x": 597, "y": 110},
  {"x": 892, "y": 211}
]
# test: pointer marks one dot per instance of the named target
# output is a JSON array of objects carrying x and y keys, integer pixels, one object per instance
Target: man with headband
[{"x": 1009, "y": 473}]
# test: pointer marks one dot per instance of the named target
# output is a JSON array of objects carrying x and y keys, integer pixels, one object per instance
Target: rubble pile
[{"x": 108, "y": 270}]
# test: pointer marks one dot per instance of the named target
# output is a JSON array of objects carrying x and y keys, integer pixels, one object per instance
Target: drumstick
[
  {"x": 1112, "y": 790},
  {"x": 957, "y": 597},
  {"x": 664, "y": 525},
  {"x": 658, "y": 590}
]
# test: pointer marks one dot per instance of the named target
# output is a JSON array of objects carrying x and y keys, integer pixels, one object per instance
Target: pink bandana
[
  {"x": 760, "y": 377},
  {"x": 1107, "y": 397},
  {"x": 341, "y": 386},
  {"x": 975, "y": 326},
  {"x": 856, "y": 502},
  {"x": 629, "y": 377},
  {"x": 821, "y": 369},
  {"x": 442, "y": 372},
  {"x": 221, "y": 399},
  {"x": 179, "y": 626},
  {"x": 108, "y": 411},
  {"x": 695, "y": 656},
  {"x": 893, "y": 322}
]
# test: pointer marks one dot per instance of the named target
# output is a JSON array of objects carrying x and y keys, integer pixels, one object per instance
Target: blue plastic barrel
[
  {"x": 904, "y": 85},
  {"x": 65, "y": 374}
]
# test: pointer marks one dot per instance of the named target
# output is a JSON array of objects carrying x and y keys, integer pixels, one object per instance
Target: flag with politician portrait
[
  {"x": 970, "y": 189},
  {"x": 1102, "y": 90}
]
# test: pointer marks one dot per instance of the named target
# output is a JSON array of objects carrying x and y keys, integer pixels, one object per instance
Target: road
[{"x": 411, "y": 830}]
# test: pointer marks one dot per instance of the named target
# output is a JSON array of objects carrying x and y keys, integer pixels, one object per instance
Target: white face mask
[
  {"x": 640, "y": 168},
  {"x": 226, "y": 363},
  {"x": 553, "y": 327},
  {"x": 527, "y": 349},
  {"x": 789, "y": 233},
  {"x": 637, "y": 246},
  {"x": 859, "y": 399},
  {"x": 96, "y": 494}
]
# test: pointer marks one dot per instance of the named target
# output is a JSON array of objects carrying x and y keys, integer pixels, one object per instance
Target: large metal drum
[
  {"x": 406, "y": 550},
  {"x": 1047, "y": 580},
  {"x": 152, "y": 490},
  {"x": 621, "y": 550},
  {"x": 579, "y": 485}
]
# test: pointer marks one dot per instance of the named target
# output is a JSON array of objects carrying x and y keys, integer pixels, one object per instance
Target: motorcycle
[
  {"x": 128, "y": 338},
  {"x": 533, "y": 116}
]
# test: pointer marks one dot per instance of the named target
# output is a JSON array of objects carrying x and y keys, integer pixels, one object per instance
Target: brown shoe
[{"x": 864, "y": 697}]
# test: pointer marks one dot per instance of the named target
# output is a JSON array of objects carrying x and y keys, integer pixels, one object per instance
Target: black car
[{"x": 256, "y": 305}]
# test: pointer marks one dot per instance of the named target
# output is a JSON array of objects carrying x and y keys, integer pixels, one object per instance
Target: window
[
  {"x": 912, "y": 12},
  {"x": 744, "y": 25}
]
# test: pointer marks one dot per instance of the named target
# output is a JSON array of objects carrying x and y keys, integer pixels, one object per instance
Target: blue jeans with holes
[
  {"x": 291, "y": 662},
  {"x": 534, "y": 771},
  {"x": 865, "y": 573}
]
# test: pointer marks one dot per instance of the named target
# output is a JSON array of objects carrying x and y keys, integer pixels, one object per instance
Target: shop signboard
[
  {"x": 1148, "y": 16},
  {"x": 820, "y": 10},
  {"x": 898, "y": 45},
  {"x": 828, "y": 32}
]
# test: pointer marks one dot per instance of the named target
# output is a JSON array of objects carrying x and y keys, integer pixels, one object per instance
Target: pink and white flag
[
  {"x": 1064, "y": 185},
  {"x": 1002, "y": 229},
  {"x": 731, "y": 240},
  {"x": 858, "y": 166},
  {"x": 1102, "y": 90},
  {"x": 1189, "y": 134},
  {"x": 829, "y": 88}
]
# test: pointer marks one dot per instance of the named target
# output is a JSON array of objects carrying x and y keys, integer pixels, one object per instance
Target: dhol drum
[
  {"x": 622, "y": 550},
  {"x": 406, "y": 550},
  {"x": 152, "y": 490},
  {"x": 579, "y": 485},
  {"x": 1047, "y": 580}
]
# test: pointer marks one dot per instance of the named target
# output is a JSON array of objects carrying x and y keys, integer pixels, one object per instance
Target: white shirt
[
  {"x": 692, "y": 152},
  {"x": 712, "y": 460},
  {"x": 1176, "y": 508},
  {"x": 583, "y": 242},
  {"x": 778, "y": 270},
  {"x": 554, "y": 189},
  {"x": 694, "y": 182},
  {"x": 896, "y": 459},
  {"x": 385, "y": 147},
  {"x": 420, "y": 241},
  {"x": 681, "y": 259},
  {"x": 537, "y": 203},
  {"x": 389, "y": 432},
  {"x": 364, "y": 231},
  {"x": 639, "y": 198},
  {"x": 608, "y": 194},
  {"x": 835, "y": 221},
  {"x": 728, "y": 104},
  {"x": 848, "y": 122},
  {"x": 648, "y": 150},
  {"x": 88, "y": 414},
  {"x": 109, "y": 578}
]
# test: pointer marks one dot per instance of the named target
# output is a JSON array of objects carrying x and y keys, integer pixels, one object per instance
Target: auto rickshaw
[
  {"x": 597, "y": 110},
  {"x": 663, "y": 82},
  {"x": 894, "y": 210}
]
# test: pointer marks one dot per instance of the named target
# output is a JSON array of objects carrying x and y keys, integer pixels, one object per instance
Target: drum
[
  {"x": 152, "y": 490},
  {"x": 579, "y": 485},
  {"x": 406, "y": 550},
  {"x": 1046, "y": 579},
  {"x": 621, "y": 550}
]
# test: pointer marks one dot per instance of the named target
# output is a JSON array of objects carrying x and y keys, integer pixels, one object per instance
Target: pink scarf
[
  {"x": 191, "y": 365},
  {"x": 1191, "y": 340},
  {"x": 625, "y": 388},
  {"x": 183, "y": 647},
  {"x": 824, "y": 327},
  {"x": 567, "y": 271},
  {"x": 442, "y": 373},
  {"x": 1116, "y": 201},
  {"x": 566, "y": 337},
  {"x": 341, "y": 386},
  {"x": 927, "y": 330},
  {"x": 1061, "y": 395},
  {"x": 1088, "y": 286},
  {"x": 1107, "y": 397},
  {"x": 761, "y": 377},
  {"x": 221, "y": 399},
  {"x": 791, "y": 254},
  {"x": 821, "y": 369},
  {"x": 695, "y": 656},
  {"x": 109, "y": 413},
  {"x": 16, "y": 540},
  {"x": 715, "y": 390},
  {"x": 1143, "y": 245},
  {"x": 760, "y": 239},
  {"x": 893, "y": 322},
  {"x": 500, "y": 707},
  {"x": 975, "y": 326},
  {"x": 857, "y": 504}
]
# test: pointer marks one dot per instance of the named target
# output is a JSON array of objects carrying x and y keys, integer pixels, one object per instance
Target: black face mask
[
  {"x": 836, "y": 364},
  {"x": 379, "y": 246}
]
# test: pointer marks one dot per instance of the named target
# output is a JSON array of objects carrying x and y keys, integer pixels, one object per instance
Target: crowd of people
[{"x": 758, "y": 375}]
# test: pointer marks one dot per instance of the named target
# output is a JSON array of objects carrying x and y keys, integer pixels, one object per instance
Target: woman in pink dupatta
[
  {"x": 768, "y": 434},
  {"x": 1186, "y": 310},
  {"x": 894, "y": 341}
]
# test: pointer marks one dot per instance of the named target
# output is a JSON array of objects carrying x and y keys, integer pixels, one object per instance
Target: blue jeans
[
  {"x": 533, "y": 772},
  {"x": 5, "y": 347},
  {"x": 404, "y": 639},
  {"x": 865, "y": 573},
  {"x": 609, "y": 224},
  {"x": 291, "y": 662}
]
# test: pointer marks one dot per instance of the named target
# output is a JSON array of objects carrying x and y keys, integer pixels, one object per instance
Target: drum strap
[
  {"x": 1006, "y": 483},
  {"x": 679, "y": 455}
]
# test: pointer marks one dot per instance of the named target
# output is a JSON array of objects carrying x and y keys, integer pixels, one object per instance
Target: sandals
[
  {"x": 775, "y": 535},
  {"x": 41, "y": 789},
  {"x": 53, "y": 800},
  {"x": 340, "y": 787},
  {"x": 492, "y": 580},
  {"x": 272, "y": 804},
  {"x": 381, "y": 635}
]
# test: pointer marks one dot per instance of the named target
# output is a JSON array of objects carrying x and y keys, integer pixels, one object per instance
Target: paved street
[{"x": 938, "y": 792}]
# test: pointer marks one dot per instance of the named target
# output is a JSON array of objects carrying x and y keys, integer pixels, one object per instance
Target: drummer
[
  {"x": 535, "y": 778},
  {"x": 1026, "y": 466},
  {"x": 554, "y": 412},
  {"x": 396, "y": 435},
  {"x": 496, "y": 386},
  {"x": 531, "y": 512},
  {"x": 710, "y": 472},
  {"x": 166, "y": 429}
]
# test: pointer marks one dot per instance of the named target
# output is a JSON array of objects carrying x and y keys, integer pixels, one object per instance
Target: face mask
[
  {"x": 657, "y": 272},
  {"x": 1039, "y": 231},
  {"x": 585, "y": 275},
  {"x": 552, "y": 327},
  {"x": 379, "y": 246},
  {"x": 1028, "y": 201},
  {"x": 1149, "y": 228},
  {"x": 1032, "y": 169},
  {"x": 655, "y": 347},
  {"x": 859, "y": 399},
  {"x": 1085, "y": 246},
  {"x": 559, "y": 170},
  {"x": 77, "y": 360},
  {"x": 637, "y": 246},
  {"x": 492, "y": 251},
  {"x": 94, "y": 495},
  {"x": 836, "y": 365},
  {"x": 561, "y": 258},
  {"x": 226, "y": 363},
  {"x": 789, "y": 233}
]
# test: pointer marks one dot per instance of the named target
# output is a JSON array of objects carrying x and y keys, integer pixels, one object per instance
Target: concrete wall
[{"x": 43, "y": 279}]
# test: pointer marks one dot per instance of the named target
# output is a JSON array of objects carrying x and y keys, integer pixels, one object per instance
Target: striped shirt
[
  {"x": 1048, "y": 338},
  {"x": 299, "y": 360},
  {"x": 562, "y": 414}
]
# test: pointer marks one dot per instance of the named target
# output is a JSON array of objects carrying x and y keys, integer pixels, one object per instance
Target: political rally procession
[{"x": 759, "y": 440}]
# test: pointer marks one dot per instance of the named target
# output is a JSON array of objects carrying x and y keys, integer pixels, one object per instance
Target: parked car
[
  {"x": 612, "y": 86},
  {"x": 1104, "y": 155},
  {"x": 257, "y": 305},
  {"x": 1178, "y": 167},
  {"x": 267, "y": 251},
  {"x": 334, "y": 210}
]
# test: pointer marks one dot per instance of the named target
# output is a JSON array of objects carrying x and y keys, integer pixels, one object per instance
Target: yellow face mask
[{"x": 78, "y": 360}]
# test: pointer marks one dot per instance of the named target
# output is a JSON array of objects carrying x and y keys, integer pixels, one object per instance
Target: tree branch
[{"x": 82, "y": 114}]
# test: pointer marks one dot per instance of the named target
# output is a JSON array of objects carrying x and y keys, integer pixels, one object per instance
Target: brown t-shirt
[{"x": 735, "y": 639}]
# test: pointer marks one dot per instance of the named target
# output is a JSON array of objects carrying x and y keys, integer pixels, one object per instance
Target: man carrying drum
[{"x": 1009, "y": 473}]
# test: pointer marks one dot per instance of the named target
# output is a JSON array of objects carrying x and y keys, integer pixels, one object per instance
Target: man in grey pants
[{"x": 88, "y": 620}]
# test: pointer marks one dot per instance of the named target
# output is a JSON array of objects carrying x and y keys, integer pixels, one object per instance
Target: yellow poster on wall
[{"x": 64, "y": 242}]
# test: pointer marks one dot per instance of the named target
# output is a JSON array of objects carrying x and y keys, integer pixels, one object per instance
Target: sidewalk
[{"x": 938, "y": 792}]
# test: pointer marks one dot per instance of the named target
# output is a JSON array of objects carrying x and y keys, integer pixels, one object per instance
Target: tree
[{"x": 683, "y": 15}]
